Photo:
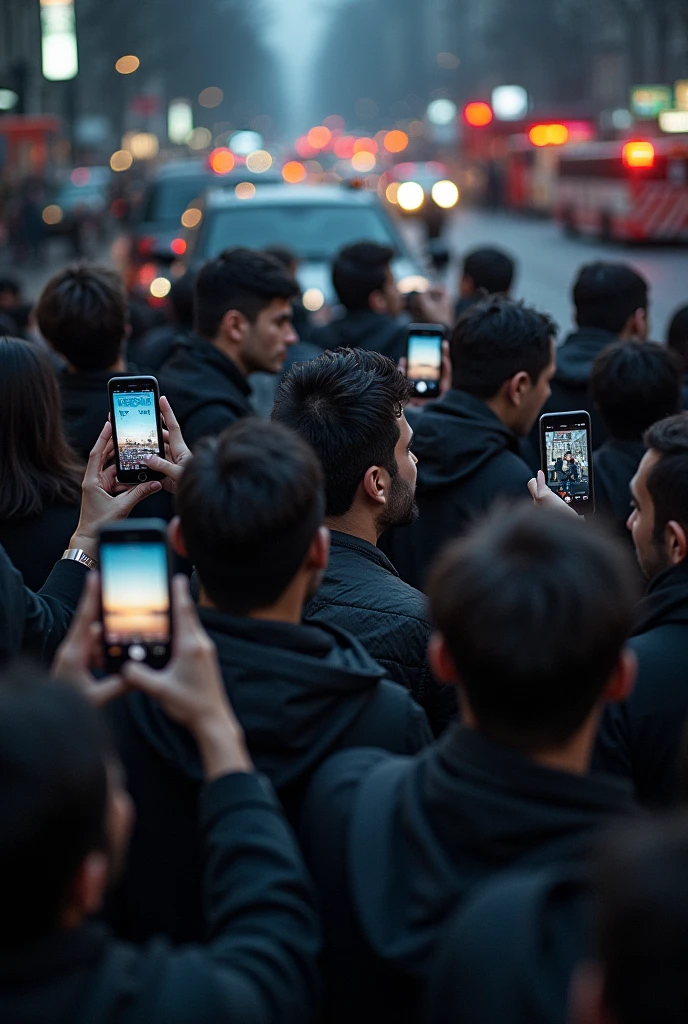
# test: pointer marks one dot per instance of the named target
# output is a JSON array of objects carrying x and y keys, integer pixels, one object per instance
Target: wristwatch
[{"x": 78, "y": 555}]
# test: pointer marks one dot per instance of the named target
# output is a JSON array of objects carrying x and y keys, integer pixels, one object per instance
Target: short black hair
[
  {"x": 634, "y": 384},
  {"x": 11, "y": 285},
  {"x": 347, "y": 404},
  {"x": 53, "y": 798},
  {"x": 489, "y": 269},
  {"x": 607, "y": 294},
  {"x": 677, "y": 336},
  {"x": 495, "y": 339},
  {"x": 641, "y": 914},
  {"x": 516, "y": 615},
  {"x": 243, "y": 279},
  {"x": 250, "y": 502},
  {"x": 82, "y": 313},
  {"x": 286, "y": 256},
  {"x": 358, "y": 271},
  {"x": 182, "y": 299},
  {"x": 667, "y": 482}
]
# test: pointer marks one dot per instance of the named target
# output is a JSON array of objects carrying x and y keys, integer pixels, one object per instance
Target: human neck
[
  {"x": 356, "y": 524},
  {"x": 230, "y": 352},
  {"x": 119, "y": 366},
  {"x": 500, "y": 409},
  {"x": 287, "y": 608}
]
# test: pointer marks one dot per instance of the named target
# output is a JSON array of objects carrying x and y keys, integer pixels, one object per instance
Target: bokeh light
[
  {"x": 192, "y": 217},
  {"x": 363, "y": 162},
  {"x": 410, "y": 196},
  {"x": 313, "y": 299},
  {"x": 211, "y": 97},
  {"x": 259, "y": 161},
  {"x": 160, "y": 287},
  {"x": 142, "y": 145},
  {"x": 478, "y": 114},
  {"x": 245, "y": 190},
  {"x": 293, "y": 172},
  {"x": 391, "y": 192},
  {"x": 80, "y": 176},
  {"x": 365, "y": 145},
  {"x": 221, "y": 160},
  {"x": 127, "y": 64},
  {"x": 448, "y": 61},
  {"x": 445, "y": 194},
  {"x": 52, "y": 214},
  {"x": 395, "y": 141},
  {"x": 199, "y": 138},
  {"x": 121, "y": 160},
  {"x": 335, "y": 122},
  {"x": 178, "y": 246},
  {"x": 549, "y": 135},
  {"x": 319, "y": 137},
  {"x": 344, "y": 147}
]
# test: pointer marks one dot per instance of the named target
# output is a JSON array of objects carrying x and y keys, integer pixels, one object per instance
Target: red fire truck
[{"x": 625, "y": 191}]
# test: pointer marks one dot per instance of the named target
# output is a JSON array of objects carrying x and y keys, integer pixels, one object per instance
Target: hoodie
[
  {"x": 205, "y": 388},
  {"x": 467, "y": 460},
  {"x": 394, "y": 844},
  {"x": 642, "y": 738},
  {"x": 362, "y": 328},
  {"x": 615, "y": 466},
  {"x": 300, "y": 693}
]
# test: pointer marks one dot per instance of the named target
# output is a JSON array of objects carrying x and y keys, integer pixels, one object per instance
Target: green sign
[{"x": 648, "y": 101}]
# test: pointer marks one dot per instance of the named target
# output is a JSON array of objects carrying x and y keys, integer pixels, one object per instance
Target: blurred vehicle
[
  {"x": 79, "y": 208},
  {"x": 625, "y": 191},
  {"x": 424, "y": 190},
  {"x": 315, "y": 222}
]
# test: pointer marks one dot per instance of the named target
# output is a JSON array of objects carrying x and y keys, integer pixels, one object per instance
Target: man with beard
[
  {"x": 251, "y": 505},
  {"x": 642, "y": 738},
  {"x": 349, "y": 406}
]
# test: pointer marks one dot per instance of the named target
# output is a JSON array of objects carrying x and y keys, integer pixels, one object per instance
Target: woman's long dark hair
[{"x": 37, "y": 466}]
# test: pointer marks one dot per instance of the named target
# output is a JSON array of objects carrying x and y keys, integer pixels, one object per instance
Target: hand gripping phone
[
  {"x": 566, "y": 458},
  {"x": 136, "y": 426},
  {"x": 424, "y": 359}
]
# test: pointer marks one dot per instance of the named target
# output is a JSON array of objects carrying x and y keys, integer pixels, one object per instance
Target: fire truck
[{"x": 635, "y": 190}]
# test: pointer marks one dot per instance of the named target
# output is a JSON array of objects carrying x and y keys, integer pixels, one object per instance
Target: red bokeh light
[{"x": 478, "y": 114}]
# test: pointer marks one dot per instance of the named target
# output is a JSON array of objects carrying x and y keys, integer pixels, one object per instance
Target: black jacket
[
  {"x": 615, "y": 465},
  {"x": 205, "y": 388},
  {"x": 363, "y": 328},
  {"x": 508, "y": 955},
  {"x": 641, "y": 739},
  {"x": 395, "y": 843},
  {"x": 467, "y": 459},
  {"x": 260, "y": 963},
  {"x": 85, "y": 405},
  {"x": 362, "y": 593},
  {"x": 35, "y": 543},
  {"x": 300, "y": 693},
  {"x": 35, "y": 624}
]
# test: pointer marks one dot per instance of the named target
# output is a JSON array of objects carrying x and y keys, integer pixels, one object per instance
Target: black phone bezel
[
  {"x": 432, "y": 331},
  {"x": 137, "y": 382},
  {"x": 570, "y": 421}
]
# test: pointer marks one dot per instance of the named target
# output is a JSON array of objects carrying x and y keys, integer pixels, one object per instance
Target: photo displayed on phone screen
[
  {"x": 568, "y": 463},
  {"x": 135, "y": 601},
  {"x": 136, "y": 427},
  {"x": 424, "y": 362}
]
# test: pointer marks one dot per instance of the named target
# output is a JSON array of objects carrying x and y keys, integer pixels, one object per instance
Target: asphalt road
[{"x": 548, "y": 262}]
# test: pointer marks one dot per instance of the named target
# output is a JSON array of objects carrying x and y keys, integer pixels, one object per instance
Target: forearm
[{"x": 49, "y": 612}]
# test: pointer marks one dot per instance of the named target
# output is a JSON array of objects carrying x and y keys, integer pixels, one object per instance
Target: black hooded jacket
[
  {"x": 205, "y": 389},
  {"x": 300, "y": 694},
  {"x": 86, "y": 405},
  {"x": 362, "y": 593},
  {"x": 642, "y": 738},
  {"x": 394, "y": 844},
  {"x": 615, "y": 465},
  {"x": 467, "y": 459},
  {"x": 363, "y": 328}
]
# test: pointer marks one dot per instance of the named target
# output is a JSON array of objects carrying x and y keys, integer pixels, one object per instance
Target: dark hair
[
  {"x": 37, "y": 466},
  {"x": 534, "y": 635},
  {"x": 607, "y": 294},
  {"x": 634, "y": 384},
  {"x": 358, "y": 271},
  {"x": 53, "y": 796},
  {"x": 182, "y": 299},
  {"x": 250, "y": 503},
  {"x": 284, "y": 255},
  {"x": 495, "y": 339},
  {"x": 677, "y": 337},
  {"x": 641, "y": 903},
  {"x": 667, "y": 482},
  {"x": 490, "y": 269},
  {"x": 11, "y": 285},
  {"x": 82, "y": 312},
  {"x": 347, "y": 405},
  {"x": 241, "y": 279}
]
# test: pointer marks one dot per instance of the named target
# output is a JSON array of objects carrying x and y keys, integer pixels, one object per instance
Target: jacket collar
[
  {"x": 363, "y": 548},
  {"x": 458, "y": 402},
  {"x": 666, "y": 600},
  {"x": 302, "y": 639},
  {"x": 212, "y": 356},
  {"x": 53, "y": 955}
]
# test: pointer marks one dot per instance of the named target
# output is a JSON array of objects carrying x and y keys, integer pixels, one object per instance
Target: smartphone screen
[
  {"x": 135, "y": 597},
  {"x": 566, "y": 457},
  {"x": 135, "y": 424},
  {"x": 424, "y": 359}
]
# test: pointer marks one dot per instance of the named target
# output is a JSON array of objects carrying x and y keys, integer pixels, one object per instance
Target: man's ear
[
  {"x": 377, "y": 301},
  {"x": 87, "y": 888},
  {"x": 640, "y": 325},
  {"x": 176, "y": 537},
  {"x": 441, "y": 661},
  {"x": 586, "y": 996},
  {"x": 676, "y": 542},
  {"x": 233, "y": 325},
  {"x": 375, "y": 484},
  {"x": 518, "y": 386},
  {"x": 622, "y": 680},
  {"x": 319, "y": 551}
]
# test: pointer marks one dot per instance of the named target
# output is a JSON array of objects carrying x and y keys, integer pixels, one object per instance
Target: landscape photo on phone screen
[
  {"x": 568, "y": 465},
  {"x": 135, "y": 426},
  {"x": 424, "y": 358},
  {"x": 135, "y": 593}
]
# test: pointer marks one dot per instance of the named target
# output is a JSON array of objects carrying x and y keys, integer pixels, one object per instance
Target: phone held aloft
[
  {"x": 136, "y": 426},
  {"x": 566, "y": 458},
  {"x": 135, "y": 593},
  {"x": 424, "y": 359}
]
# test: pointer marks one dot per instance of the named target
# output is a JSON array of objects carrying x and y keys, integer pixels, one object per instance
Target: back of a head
[
  {"x": 36, "y": 464},
  {"x": 53, "y": 793},
  {"x": 490, "y": 269},
  {"x": 284, "y": 255},
  {"x": 667, "y": 481},
  {"x": 677, "y": 337},
  {"x": 346, "y": 405},
  {"x": 250, "y": 503},
  {"x": 82, "y": 313},
  {"x": 243, "y": 279},
  {"x": 182, "y": 299},
  {"x": 606, "y": 295},
  {"x": 634, "y": 384},
  {"x": 535, "y": 609},
  {"x": 642, "y": 922},
  {"x": 495, "y": 339},
  {"x": 358, "y": 271}
]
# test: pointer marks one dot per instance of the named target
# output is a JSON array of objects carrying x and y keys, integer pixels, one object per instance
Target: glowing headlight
[
  {"x": 410, "y": 196},
  {"x": 445, "y": 194},
  {"x": 160, "y": 287}
]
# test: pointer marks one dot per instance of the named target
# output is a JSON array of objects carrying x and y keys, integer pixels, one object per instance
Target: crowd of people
[{"x": 421, "y": 750}]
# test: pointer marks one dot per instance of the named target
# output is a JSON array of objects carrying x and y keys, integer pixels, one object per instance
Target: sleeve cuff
[{"x": 67, "y": 578}]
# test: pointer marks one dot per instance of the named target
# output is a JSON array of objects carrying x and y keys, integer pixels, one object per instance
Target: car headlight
[
  {"x": 410, "y": 196},
  {"x": 445, "y": 194}
]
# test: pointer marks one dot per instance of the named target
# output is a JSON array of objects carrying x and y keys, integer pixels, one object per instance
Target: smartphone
[
  {"x": 135, "y": 593},
  {"x": 424, "y": 358},
  {"x": 566, "y": 458},
  {"x": 136, "y": 426}
]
